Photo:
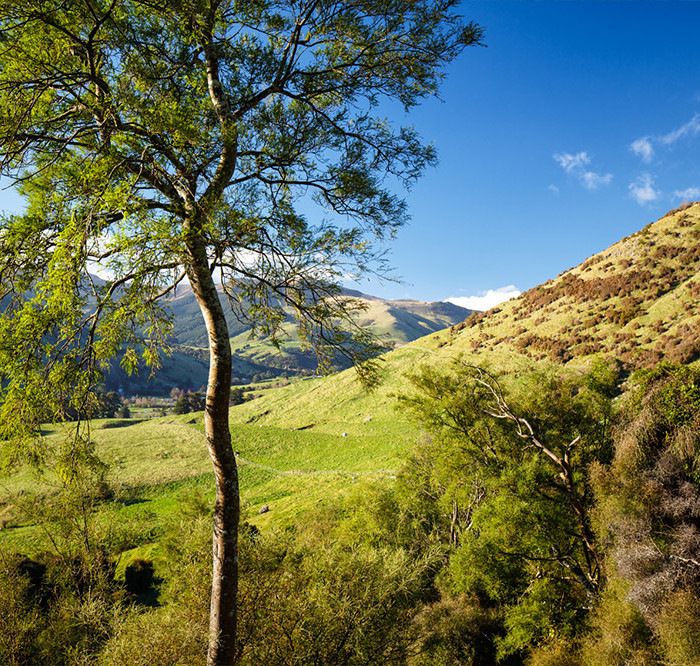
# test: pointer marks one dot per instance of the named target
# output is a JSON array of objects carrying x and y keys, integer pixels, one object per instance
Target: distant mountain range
[{"x": 394, "y": 322}]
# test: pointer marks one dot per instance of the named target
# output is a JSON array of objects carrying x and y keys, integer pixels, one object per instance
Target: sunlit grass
[{"x": 313, "y": 440}]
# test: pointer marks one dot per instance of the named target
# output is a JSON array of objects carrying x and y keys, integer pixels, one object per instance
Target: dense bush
[
  {"x": 304, "y": 599},
  {"x": 648, "y": 509}
]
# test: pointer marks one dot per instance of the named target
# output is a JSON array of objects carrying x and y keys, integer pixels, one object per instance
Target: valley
[
  {"x": 325, "y": 464},
  {"x": 394, "y": 323}
]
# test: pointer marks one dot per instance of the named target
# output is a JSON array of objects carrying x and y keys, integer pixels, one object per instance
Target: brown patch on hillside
[{"x": 637, "y": 301}]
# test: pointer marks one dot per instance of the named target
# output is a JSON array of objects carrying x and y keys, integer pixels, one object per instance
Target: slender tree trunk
[{"x": 223, "y": 610}]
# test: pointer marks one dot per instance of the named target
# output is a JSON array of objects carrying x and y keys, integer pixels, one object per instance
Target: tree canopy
[{"x": 504, "y": 480}]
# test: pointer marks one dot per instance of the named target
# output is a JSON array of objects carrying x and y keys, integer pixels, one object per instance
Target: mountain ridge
[{"x": 394, "y": 322}]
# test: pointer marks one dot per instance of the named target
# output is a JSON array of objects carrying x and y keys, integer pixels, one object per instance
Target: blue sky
[{"x": 576, "y": 126}]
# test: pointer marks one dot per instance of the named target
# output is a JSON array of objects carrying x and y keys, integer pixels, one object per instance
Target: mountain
[
  {"x": 400, "y": 322},
  {"x": 394, "y": 322},
  {"x": 637, "y": 301}
]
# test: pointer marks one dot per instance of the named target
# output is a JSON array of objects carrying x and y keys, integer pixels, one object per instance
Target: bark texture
[{"x": 223, "y": 616}]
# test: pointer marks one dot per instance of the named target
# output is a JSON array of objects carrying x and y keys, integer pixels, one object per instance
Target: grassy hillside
[
  {"x": 310, "y": 441},
  {"x": 637, "y": 301},
  {"x": 152, "y": 463},
  {"x": 395, "y": 323}
]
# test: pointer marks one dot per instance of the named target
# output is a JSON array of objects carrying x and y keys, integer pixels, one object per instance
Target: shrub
[
  {"x": 308, "y": 598},
  {"x": 648, "y": 503},
  {"x": 20, "y": 624},
  {"x": 189, "y": 402},
  {"x": 55, "y": 613},
  {"x": 618, "y": 633},
  {"x": 678, "y": 627},
  {"x": 458, "y": 631}
]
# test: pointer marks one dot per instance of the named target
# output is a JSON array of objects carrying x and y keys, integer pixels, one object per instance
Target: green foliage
[
  {"x": 237, "y": 395},
  {"x": 109, "y": 404},
  {"x": 64, "y": 611},
  {"x": 57, "y": 622},
  {"x": 457, "y": 631},
  {"x": 672, "y": 391},
  {"x": 648, "y": 502},
  {"x": 678, "y": 629},
  {"x": 331, "y": 605},
  {"x": 504, "y": 481},
  {"x": 557, "y": 652},
  {"x": 618, "y": 633},
  {"x": 18, "y": 626},
  {"x": 304, "y": 598},
  {"x": 189, "y": 402}
]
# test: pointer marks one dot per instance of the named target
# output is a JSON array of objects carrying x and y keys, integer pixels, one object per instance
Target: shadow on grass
[{"x": 122, "y": 423}]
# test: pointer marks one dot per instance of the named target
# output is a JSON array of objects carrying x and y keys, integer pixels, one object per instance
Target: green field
[{"x": 152, "y": 464}]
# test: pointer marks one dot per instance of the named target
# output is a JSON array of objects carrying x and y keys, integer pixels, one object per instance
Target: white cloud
[
  {"x": 575, "y": 165},
  {"x": 486, "y": 299},
  {"x": 592, "y": 180},
  {"x": 691, "y": 128},
  {"x": 554, "y": 189},
  {"x": 689, "y": 194},
  {"x": 642, "y": 190},
  {"x": 572, "y": 163},
  {"x": 643, "y": 148}
]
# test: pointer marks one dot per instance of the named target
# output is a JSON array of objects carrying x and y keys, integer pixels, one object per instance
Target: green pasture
[{"x": 153, "y": 464}]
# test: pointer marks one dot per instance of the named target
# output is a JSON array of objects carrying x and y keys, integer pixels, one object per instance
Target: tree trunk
[{"x": 224, "y": 591}]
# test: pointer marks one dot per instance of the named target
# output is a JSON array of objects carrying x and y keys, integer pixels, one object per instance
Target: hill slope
[{"x": 637, "y": 301}]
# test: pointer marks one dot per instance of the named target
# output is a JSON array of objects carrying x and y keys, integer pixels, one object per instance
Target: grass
[
  {"x": 314, "y": 440},
  {"x": 154, "y": 463}
]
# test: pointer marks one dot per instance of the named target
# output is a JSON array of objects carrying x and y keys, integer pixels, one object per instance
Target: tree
[
  {"x": 110, "y": 403},
  {"x": 189, "y": 402},
  {"x": 504, "y": 481},
  {"x": 171, "y": 140},
  {"x": 237, "y": 395}
]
